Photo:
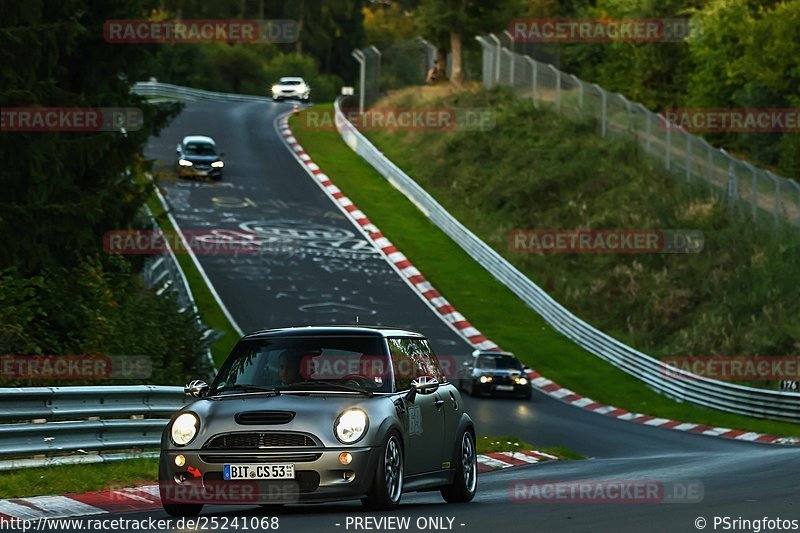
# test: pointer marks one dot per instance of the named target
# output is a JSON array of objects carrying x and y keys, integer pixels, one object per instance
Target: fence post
[
  {"x": 710, "y": 162},
  {"x": 688, "y": 156},
  {"x": 510, "y": 67},
  {"x": 534, "y": 81},
  {"x": 668, "y": 145},
  {"x": 497, "y": 58},
  {"x": 753, "y": 191},
  {"x": 733, "y": 189},
  {"x": 362, "y": 61},
  {"x": 628, "y": 126},
  {"x": 777, "y": 210},
  {"x": 558, "y": 86},
  {"x": 603, "y": 102},
  {"x": 580, "y": 90},
  {"x": 648, "y": 127}
]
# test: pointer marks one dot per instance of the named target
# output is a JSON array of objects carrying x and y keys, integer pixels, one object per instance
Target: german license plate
[
  {"x": 504, "y": 387},
  {"x": 262, "y": 471}
]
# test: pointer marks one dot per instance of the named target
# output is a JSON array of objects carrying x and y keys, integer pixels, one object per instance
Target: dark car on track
[
  {"x": 494, "y": 373},
  {"x": 316, "y": 414},
  {"x": 197, "y": 157}
]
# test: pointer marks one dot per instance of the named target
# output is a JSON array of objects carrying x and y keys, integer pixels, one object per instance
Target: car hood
[{"x": 313, "y": 413}]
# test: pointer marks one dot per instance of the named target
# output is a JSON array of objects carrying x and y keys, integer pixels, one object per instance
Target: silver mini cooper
[{"x": 315, "y": 414}]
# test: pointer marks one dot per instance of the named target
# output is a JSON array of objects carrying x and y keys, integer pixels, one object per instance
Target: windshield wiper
[
  {"x": 247, "y": 388},
  {"x": 338, "y": 386}
]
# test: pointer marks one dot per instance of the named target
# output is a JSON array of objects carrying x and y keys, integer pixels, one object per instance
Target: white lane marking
[
  {"x": 199, "y": 267},
  {"x": 604, "y": 409},
  {"x": 561, "y": 393},
  {"x": 441, "y": 302},
  {"x": 685, "y": 426},
  {"x": 630, "y": 416}
]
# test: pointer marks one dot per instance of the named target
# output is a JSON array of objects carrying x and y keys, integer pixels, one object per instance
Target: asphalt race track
[{"x": 330, "y": 274}]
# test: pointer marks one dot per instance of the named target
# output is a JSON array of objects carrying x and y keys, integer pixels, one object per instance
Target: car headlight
[
  {"x": 217, "y": 164},
  {"x": 184, "y": 163},
  {"x": 275, "y": 89},
  {"x": 484, "y": 379},
  {"x": 302, "y": 88},
  {"x": 184, "y": 429},
  {"x": 351, "y": 426},
  {"x": 522, "y": 381}
]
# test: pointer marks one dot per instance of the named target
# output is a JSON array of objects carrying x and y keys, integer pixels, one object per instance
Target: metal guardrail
[
  {"x": 675, "y": 383},
  {"x": 133, "y": 417},
  {"x": 176, "y": 92}
]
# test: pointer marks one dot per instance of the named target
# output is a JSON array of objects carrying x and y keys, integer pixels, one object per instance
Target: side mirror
[{"x": 196, "y": 388}]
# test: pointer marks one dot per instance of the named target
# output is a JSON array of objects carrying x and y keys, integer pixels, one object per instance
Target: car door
[{"x": 425, "y": 414}]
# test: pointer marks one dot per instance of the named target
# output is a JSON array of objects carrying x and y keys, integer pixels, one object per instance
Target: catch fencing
[{"x": 760, "y": 194}]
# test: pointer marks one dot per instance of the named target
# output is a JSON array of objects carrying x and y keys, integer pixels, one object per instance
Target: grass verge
[
  {"x": 507, "y": 443},
  {"x": 488, "y": 304},
  {"x": 77, "y": 478}
]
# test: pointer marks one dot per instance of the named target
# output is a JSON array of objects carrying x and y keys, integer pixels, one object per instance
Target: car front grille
[{"x": 258, "y": 440}]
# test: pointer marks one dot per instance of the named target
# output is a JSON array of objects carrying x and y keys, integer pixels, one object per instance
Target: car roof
[
  {"x": 333, "y": 331},
  {"x": 290, "y": 78},
  {"x": 198, "y": 139}
]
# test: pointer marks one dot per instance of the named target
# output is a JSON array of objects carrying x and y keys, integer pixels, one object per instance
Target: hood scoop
[{"x": 263, "y": 418}]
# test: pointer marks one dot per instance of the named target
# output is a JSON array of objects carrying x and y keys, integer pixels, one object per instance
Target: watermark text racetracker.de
[
  {"x": 733, "y": 368},
  {"x": 623, "y": 491},
  {"x": 71, "y": 119},
  {"x": 402, "y": 119},
  {"x": 605, "y": 241},
  {"x": 576, "y": 30},
  {"x": 148, "y": 524},
  {"x": 137, "y": 31}
]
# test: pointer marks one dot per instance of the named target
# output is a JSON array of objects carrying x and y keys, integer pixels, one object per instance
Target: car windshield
[
  {"x": 306, "y": 363},
  {"x": 290, "y": 82},
  {"x": 195, "y": 148},
  {"x": 501, "y": 362}
]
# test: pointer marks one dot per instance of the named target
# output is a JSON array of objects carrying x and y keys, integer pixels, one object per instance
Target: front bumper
[
  {"x": 195, "y": 172},
  {"x": 319, "y": 476},
  {"x": 291, "y": 94},
  {"x": 500, "y": 389}
]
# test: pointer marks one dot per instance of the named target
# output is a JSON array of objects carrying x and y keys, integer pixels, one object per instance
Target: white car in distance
[{"x": 291, "y": 88}]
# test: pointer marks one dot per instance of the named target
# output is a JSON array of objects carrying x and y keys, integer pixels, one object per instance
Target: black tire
[
  {"x": 182, "y": 509},
  {"x": 387, "y": 487},
  {"x": 465, "y": 481}
]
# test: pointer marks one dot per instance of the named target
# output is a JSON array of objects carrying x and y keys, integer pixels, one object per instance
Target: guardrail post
[{"x": 648, "y": 127}]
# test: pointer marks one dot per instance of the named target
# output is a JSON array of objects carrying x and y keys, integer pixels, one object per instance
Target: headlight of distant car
[
  {"x": 217, "y": 164},
  {"x": 485, "y": 379},
  {"x": 184, "y": 429},
  {"x": 522, "y": 381},
  {"x": 351, "y": 426},
  {"x": 302, "y": 87},
  {"x": 275, "y": 89},
  {"x": 184, "y": 163}
]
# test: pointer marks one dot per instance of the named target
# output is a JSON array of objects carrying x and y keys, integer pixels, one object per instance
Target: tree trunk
[
  {"x": 457, "y": 72},
  {"x": 441, "y": 63}
]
